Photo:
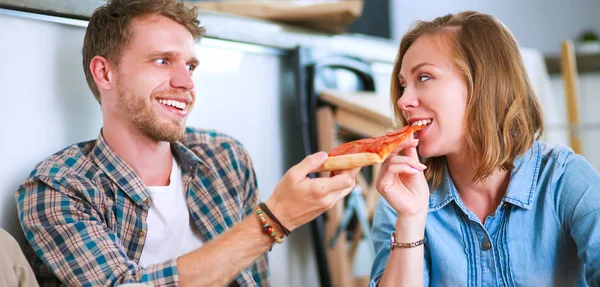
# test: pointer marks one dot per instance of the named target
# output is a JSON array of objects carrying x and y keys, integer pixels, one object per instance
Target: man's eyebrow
[{"x": 193, "y": 61}]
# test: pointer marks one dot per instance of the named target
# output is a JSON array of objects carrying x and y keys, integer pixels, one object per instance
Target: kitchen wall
[{"x": 537, "y": 24}]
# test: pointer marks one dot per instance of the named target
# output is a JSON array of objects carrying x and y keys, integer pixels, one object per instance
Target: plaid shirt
[{"x": 83, "y": 211}]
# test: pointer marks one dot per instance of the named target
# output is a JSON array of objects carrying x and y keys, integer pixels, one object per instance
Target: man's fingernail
[{"x": 322, "y": 155}]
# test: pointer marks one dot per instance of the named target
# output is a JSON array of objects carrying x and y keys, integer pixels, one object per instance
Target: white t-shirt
[{"x": 170, "y": 233}]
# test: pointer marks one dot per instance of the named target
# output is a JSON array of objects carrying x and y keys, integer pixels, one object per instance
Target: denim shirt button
[{"x": 486, "y": 245}]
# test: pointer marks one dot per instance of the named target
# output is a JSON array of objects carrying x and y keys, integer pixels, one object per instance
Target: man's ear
[{"x": 103, "y": 73}]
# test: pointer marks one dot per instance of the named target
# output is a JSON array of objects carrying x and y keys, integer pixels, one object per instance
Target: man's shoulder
[
  {"x": 72, "y": 159},
  {"x": 209, "y": 139}
]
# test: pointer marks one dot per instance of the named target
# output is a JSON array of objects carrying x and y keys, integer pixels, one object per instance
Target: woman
[{"x": 491, "y": 206}]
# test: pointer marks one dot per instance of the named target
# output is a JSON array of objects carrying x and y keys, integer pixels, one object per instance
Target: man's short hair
[{"x": 109, "y": 28}]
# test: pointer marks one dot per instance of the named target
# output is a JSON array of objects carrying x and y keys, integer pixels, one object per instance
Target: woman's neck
[{"x": 482, "y": 197}]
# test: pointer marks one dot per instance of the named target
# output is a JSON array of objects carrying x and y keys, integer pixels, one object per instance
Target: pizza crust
[
  {"x": 348, "y": 161},
  {"x": 347, "y": 155}
]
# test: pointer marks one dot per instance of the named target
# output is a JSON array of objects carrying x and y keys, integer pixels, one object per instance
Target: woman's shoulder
[
  {"x": 559, "y": 159},
  {"x": 571, "y": 184},
  {"x": 566, "y": 170}
]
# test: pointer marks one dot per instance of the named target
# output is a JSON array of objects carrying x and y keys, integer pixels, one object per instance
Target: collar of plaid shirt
[{"x": 216, "y": 171}]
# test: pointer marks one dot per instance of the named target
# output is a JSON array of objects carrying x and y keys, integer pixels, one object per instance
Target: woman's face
[{"x": 434, "y": 92}]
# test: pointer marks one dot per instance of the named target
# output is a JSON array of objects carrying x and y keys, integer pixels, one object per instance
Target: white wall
[
  {"x": 589, "y": 103},
  {"x": 47, "y": 106},
  {"x": 538, "y": 24}
]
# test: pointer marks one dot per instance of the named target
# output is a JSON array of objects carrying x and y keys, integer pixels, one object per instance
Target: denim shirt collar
[{"x": 521, "y": 187}]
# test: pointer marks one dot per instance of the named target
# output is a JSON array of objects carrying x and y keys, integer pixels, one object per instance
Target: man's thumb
[{"x": 309, "y": 164}]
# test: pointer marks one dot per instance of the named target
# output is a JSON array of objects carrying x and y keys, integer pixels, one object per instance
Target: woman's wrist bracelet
[{"x": 394, "y": 244}]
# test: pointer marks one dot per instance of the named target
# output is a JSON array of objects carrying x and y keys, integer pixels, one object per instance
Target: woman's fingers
[
  {"x": 409, "y": 142},
  {"x": 398, "y": 165},
  {"x": 411, "y": 152},
  {"x": 403, "y": 169},
  {"x": 414, "y": 163}
]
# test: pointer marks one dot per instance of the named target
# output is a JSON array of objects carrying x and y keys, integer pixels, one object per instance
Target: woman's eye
[
  {"x": 161, "y": 61},
  {"x": 402, "y": 88},
  {"x": 423, "y": 78}
]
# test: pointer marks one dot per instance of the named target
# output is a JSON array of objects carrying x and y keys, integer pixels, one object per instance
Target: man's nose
[{"x": 182, "y": 78}]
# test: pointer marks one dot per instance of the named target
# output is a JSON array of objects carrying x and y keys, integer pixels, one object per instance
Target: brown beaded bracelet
[
  {"x": 268, "y": 229},
  {"x": 265, "y": 208}
]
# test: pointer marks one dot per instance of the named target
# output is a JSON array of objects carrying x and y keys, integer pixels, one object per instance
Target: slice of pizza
[{"x": 367, "y": 151}]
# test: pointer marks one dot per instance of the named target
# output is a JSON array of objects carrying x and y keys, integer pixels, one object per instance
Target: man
[{"x": 150, "y": 201}]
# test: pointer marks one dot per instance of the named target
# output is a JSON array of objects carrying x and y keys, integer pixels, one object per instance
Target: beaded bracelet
[
  {"x": 268, "y": 229},
  {"x": 265, "y": 208}
]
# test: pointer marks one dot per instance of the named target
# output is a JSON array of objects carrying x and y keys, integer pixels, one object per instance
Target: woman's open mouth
[{"x": 425, "y": 122}]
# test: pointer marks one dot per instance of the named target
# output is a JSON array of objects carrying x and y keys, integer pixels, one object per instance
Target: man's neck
[{"x": 151, "y": 160}]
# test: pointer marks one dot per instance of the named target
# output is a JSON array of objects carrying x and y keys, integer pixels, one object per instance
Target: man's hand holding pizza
[{"x": 298, "y": 199}]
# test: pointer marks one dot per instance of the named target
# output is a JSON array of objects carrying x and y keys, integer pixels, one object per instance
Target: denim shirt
[{"x": 546, "y": 231}]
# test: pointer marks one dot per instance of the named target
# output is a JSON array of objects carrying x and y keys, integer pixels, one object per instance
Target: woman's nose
[{"x": 408, "y": 100}]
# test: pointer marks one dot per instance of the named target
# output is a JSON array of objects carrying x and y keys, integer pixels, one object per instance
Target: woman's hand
[{"x": 403, "y": 185}]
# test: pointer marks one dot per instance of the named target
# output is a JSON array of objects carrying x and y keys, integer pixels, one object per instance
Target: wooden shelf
[
  {"x": 585, "y": 63},
  {"x": 364, "y": 113}
]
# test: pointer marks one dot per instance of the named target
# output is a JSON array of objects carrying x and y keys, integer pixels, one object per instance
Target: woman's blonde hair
[{"x": 503, "y": 114}]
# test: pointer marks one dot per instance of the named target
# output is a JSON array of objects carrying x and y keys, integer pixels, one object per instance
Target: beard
[{"x": 138, "y": 110}]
